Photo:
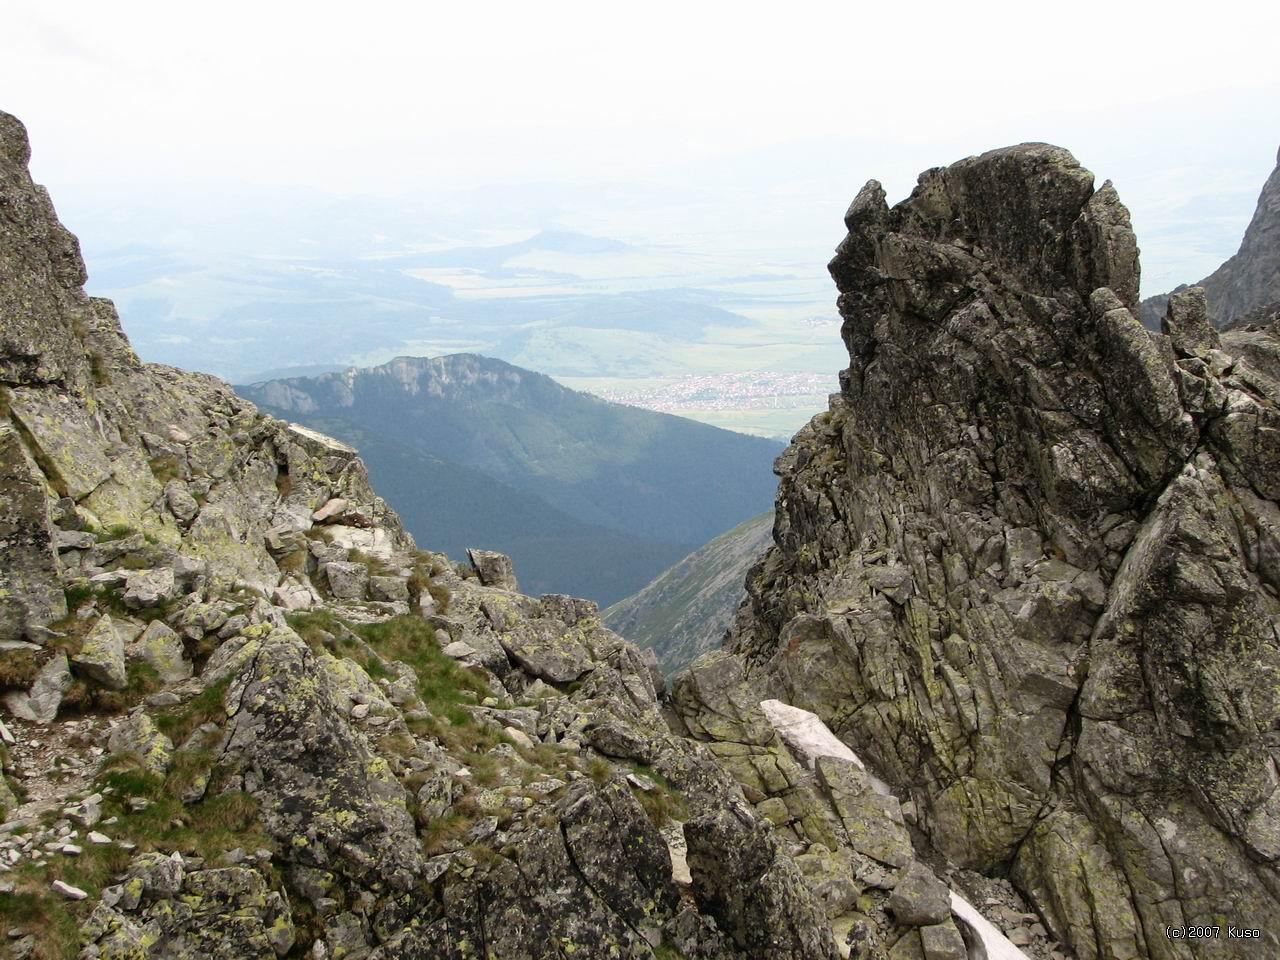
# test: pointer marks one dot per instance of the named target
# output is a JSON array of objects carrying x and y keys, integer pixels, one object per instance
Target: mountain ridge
[
  {"x": 650, "y": 475},
  {"x": 1014, "y": 645},
  {"x": 687, "y": 609},
  {"x": 1249, "y": 280}
]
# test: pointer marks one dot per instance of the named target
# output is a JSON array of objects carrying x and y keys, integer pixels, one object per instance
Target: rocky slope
[
  {"x": 1026, "y": 564},
  {"x": 453, "y": 507},
  {"x": 248, "y": 717},
  {"x": 684, "y": 612},
  {"x": 1250, "y": 280}
]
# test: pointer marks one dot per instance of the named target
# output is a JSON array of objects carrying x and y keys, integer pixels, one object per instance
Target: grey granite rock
[
  {"x": 494, "y": 569},
  {"x": 1022, "y": 564},
  {"x": 101, "y": 656},
  {"x": 40, "y": 703}
]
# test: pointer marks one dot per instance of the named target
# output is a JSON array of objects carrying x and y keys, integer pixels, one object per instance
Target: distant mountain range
[
  {"x": 685, "y": 612},
  {"x": 588, "y": 497},
  {"x": 1250, "y": 280}
]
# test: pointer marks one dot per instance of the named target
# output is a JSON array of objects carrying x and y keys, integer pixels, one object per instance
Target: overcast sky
[{"x": 382, "y": 97}]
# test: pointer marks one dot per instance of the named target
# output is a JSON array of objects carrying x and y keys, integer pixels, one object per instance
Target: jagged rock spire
[{"x": 1023, "y": 564}]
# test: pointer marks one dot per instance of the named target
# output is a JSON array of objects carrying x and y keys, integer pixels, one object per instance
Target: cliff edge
[{"x": 1026, "y": 564}]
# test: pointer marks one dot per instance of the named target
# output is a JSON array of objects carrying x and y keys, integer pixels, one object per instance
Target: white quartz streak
[{"x": 808, "y": 738}]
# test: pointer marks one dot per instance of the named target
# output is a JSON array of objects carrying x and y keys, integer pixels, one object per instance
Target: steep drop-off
[
  {"x": 453, "y": 507},
  {"x": 686, "y": 610},
  {"x": 1250, "y": 280},
  {"x": 1027, "y": 564}
]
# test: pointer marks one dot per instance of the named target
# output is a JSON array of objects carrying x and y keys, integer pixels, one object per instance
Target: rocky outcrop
[
  {"x": 1024, "y": 564},
  {"x": 303, "y": 735},
  {"x": 1249, "y": 280}
]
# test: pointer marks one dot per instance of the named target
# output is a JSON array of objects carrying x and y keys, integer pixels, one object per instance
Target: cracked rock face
[{"x": 1026, "y": 565}]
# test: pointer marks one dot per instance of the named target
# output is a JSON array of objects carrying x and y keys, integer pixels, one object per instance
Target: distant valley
[
  {"x": 588, "y": 497},
  {"x": 338, "y": 282}
]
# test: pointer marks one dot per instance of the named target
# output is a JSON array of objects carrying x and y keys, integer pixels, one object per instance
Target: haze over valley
[{"x": 680, "y": 481}]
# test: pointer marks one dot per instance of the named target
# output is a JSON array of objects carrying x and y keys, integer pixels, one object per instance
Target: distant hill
[
  {"x": 686, "y": 611},
  {"x": 649, "y": 474},
  {"x": 1248, "y": 281},
  {"x": 450, "y": 507},
  {"x": 590, "y": 475}
]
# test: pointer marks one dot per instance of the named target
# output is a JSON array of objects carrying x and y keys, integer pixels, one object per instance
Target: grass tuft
[{"x": 180, "y": 721}]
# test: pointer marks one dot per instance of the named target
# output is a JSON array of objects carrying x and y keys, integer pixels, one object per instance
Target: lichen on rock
[{"x": 1020, "y": 562}]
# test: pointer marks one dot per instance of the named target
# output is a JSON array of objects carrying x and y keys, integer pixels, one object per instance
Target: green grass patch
[
  {"x": 441, "y": 594},
  {"x": 35, "y": 909},
  {"x": 78, "y": 593},
  {"x": 180, "y": 721},
  {"x": 98, "y": 370},
  {"x": 441, "y": 831},
  {"x": 18, "y": 668},
  {"x": 376, "y": 566},
  {"x": 117, "y": 531},
  {"x": 85, "y": 697},
  {"x": 485, "y": 769},
  {"x": 165, "y": 468},
  {"x": 316, "y": 627},
  {"x": 189, "y": 767},
  {"x": 207, "y": 828},
  {"x": 444, "y": 687},
  {"x": 663, "y": 803},
  {"x": 110, "y": 599}
]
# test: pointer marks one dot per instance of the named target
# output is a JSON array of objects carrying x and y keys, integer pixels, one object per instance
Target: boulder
[
  {"x": 568, "y": 610},
  {"x": 434, "y": 796},
  {"x": 40, "y": 703},
  {"x": 329, "y": 802},
  {"x": 872, "y": 819},
  {"x": 493, "y": 569},
  {"x": 101, "y": 656},
  {"x": 164, "y": 910},
  {"x": 546, "y": 651},
  {"x": 347, "y": 581},
  {"x": 390, "y": 589},
  {"x": 139, "y": 737},
  {"x": 292, "y": 595},
  {"x": 180, "y": 501},
  {"x": 331, "y": 508},
  {"x": 74, "y": 539},
  {"x": 149, "y": 588},
  {"x": 160, "y": 648},
  {"x": 919, "y": 898},
  {"x": 459, "y": 650},
  {"x": 739, "y": 878}
]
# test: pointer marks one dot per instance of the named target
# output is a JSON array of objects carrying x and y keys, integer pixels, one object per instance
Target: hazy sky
[{"x": 811, "y": 98}]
